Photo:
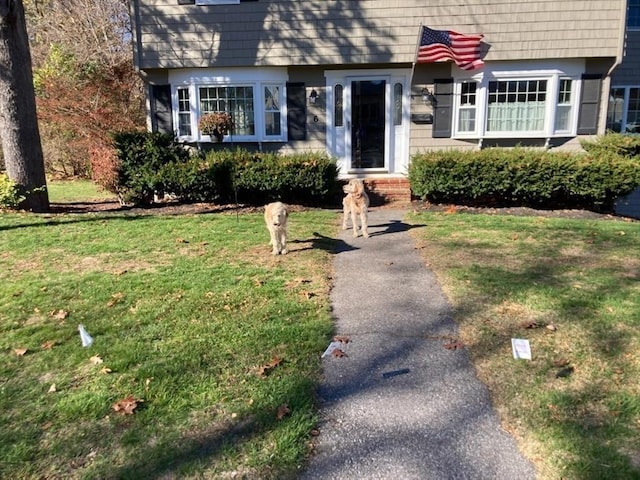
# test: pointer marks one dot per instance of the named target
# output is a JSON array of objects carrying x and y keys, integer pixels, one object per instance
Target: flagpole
[{"x": 415, "y": 55}]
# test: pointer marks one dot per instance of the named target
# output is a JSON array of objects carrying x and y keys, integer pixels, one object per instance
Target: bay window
[{"x": 516, "y": 104}]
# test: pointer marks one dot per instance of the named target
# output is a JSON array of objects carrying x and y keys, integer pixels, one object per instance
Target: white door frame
[{"x": 396, "y": 155}]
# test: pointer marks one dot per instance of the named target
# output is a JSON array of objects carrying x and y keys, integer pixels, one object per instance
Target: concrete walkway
[{"x": 400, "y": 405}]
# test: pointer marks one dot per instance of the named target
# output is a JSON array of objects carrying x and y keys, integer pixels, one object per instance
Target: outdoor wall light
[
  {"x": 313, "y": 96},
  {"x": 428, "y": 98}
]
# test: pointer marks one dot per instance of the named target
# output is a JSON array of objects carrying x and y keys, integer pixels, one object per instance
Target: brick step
[{"x": 388, "y": 190}]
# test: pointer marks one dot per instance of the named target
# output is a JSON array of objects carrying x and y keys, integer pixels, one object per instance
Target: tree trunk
[{"x": 18, "y": 120}]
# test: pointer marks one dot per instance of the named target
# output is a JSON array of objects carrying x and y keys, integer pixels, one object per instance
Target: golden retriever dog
[
  {"x": 355, "y": 202},
  {"x": 275, "y": 216}
]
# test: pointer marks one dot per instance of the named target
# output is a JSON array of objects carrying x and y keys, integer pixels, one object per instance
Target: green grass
[
  {"x": 580, "y": 276},
  {"x": 64, "y": 191},
  {"x": 183, "y": 311}
]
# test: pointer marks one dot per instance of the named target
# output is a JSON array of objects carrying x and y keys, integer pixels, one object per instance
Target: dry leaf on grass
[
  {"x": 52, "y": 388},
  {"x": 115, "y": 298},
  {"x": 96, "y": 360},
  {"x": 59, "y": 314},
  {"x": 263, "y": 370},
  {"x": 283, "y": 411},
  {"x": 20, "y": 351},
  {"x": 48, "y": 345},
  {"x": 105, "y": 370},
  {"x": 529, "y": 324},
  {"x": 127, "y": 405}
]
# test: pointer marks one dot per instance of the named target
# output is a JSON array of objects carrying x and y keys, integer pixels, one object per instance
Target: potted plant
[{"x": 216, "y": 124}]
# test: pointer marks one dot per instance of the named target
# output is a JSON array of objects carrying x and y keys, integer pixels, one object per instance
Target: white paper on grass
[
  {"x": 332, "y": 346},
  {"x": 521, "y": 348},
  {"x": 87, "y": 340}
]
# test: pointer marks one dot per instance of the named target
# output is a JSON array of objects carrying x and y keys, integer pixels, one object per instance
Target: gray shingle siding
[{"x": 339, "y": 32}]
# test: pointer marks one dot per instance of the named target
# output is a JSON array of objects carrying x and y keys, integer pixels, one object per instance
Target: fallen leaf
[
  {"x": 339, "y": 353},
  {"x": 52, "y": 388},
  {"x": 120, "y": 272},
  {"x": 115, "y": 298},
  {"x": 127, "y": 405},
  {"x": 560, "y": 362},
  {"x": 105, "y": 370},
  {"x": 95, "y": 360},
  {"x": 60, "y": 314},
  {"x": 341, "y": 339},
  {"x": 314, "y": 433},
  {"x": 552, "y": 327},
  {"x": 514, "y": 237},
  {"x": 283, "y": 411},
  {"x": 529, "y": 324},
  {"x": 263, "y": 370},
  {"x": 307, "y": 294},
  {"x": 48, "y": 345},
  {"x": 20, "y": 351},
  {"x": 451, "y": 209},
  {"x": 453, "y": 345},
  {"x": 181, "y": 240}
]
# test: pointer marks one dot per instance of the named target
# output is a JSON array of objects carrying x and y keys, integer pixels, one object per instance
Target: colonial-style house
[{"x": 356, "y": 77}]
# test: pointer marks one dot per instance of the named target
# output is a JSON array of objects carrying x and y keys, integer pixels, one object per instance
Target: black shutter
[
  {"x": 442, "y": 110},
  {"x": 161, "y": 118},
  {"x": 589, "y": 104},
  {"x": 296, "y": 111}
]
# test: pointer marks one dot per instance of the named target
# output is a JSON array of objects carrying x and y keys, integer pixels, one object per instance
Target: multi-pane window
[
  {"x": 623, "y": 114},
  {"x": 563, "y": 107},
  {"x": 633, "y": 14},
  {"x": 338, "y": 118},
  {"x": 467, "y": 111},
  {"x": 238, "y": 101},
  {"x": 397, "y": 104},
  {"x": 184, "y": 112},
  {"x": 272, "y": 114},
  {"x": 516, "y": 105}
]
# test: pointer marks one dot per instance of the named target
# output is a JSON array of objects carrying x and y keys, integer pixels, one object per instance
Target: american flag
[{"x": 443, "y": 45}]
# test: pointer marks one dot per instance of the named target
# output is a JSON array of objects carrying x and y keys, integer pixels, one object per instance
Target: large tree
[{"x": 18, "y": 120}]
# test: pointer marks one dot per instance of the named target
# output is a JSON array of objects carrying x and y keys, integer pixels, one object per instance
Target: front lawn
[
  {"x": 214, "y": 343},
  {"x": 572, "y": 288}
]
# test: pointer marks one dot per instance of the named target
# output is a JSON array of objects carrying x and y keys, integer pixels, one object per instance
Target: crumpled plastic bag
[{"x": 87, "y": 340}]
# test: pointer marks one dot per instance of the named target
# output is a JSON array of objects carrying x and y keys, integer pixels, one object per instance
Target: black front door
[{"x": 367, "y": 125}]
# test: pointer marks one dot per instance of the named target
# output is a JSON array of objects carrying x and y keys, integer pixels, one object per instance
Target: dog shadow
[
  {"x": 394, "y": 226},
  {"x": 322, "y": 242}
]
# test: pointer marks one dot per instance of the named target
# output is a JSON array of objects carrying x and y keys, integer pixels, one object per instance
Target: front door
[{"x": 368, "y": 120}]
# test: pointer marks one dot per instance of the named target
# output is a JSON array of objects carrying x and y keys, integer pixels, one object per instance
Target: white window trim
[
  {"x": 572, "y": 71},
  {"x": 193, "y": 79}
]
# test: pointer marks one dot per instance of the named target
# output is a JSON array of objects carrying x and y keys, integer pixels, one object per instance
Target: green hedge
[
  {"x": 153, "y": 163},
  {"x": 525, "y": 177}
]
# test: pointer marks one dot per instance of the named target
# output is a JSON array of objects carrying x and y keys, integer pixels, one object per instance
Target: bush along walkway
[{"x": 400, "y": 398}]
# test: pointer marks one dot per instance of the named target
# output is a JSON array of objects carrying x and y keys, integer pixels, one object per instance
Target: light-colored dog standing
[
  {"x": 354, "y": 204},
  {"x": 275, "y": 216}
]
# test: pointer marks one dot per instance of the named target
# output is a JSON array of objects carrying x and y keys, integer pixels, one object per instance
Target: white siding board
[{"x": 371, "y": 31}]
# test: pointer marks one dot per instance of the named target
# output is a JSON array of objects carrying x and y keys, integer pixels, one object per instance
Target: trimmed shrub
[
  {"x": 523, "y": 177},
  {"x": 143, "y": 157},
  {"x": 622, "y": 144},
  {"x": 149, "y": 163}
]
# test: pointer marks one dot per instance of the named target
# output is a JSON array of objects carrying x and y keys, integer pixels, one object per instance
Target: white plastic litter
[
  {"x": 87, "y": 340},
  {"x": 332, "y": 346},
  {"x": 521, "y": 348}
]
